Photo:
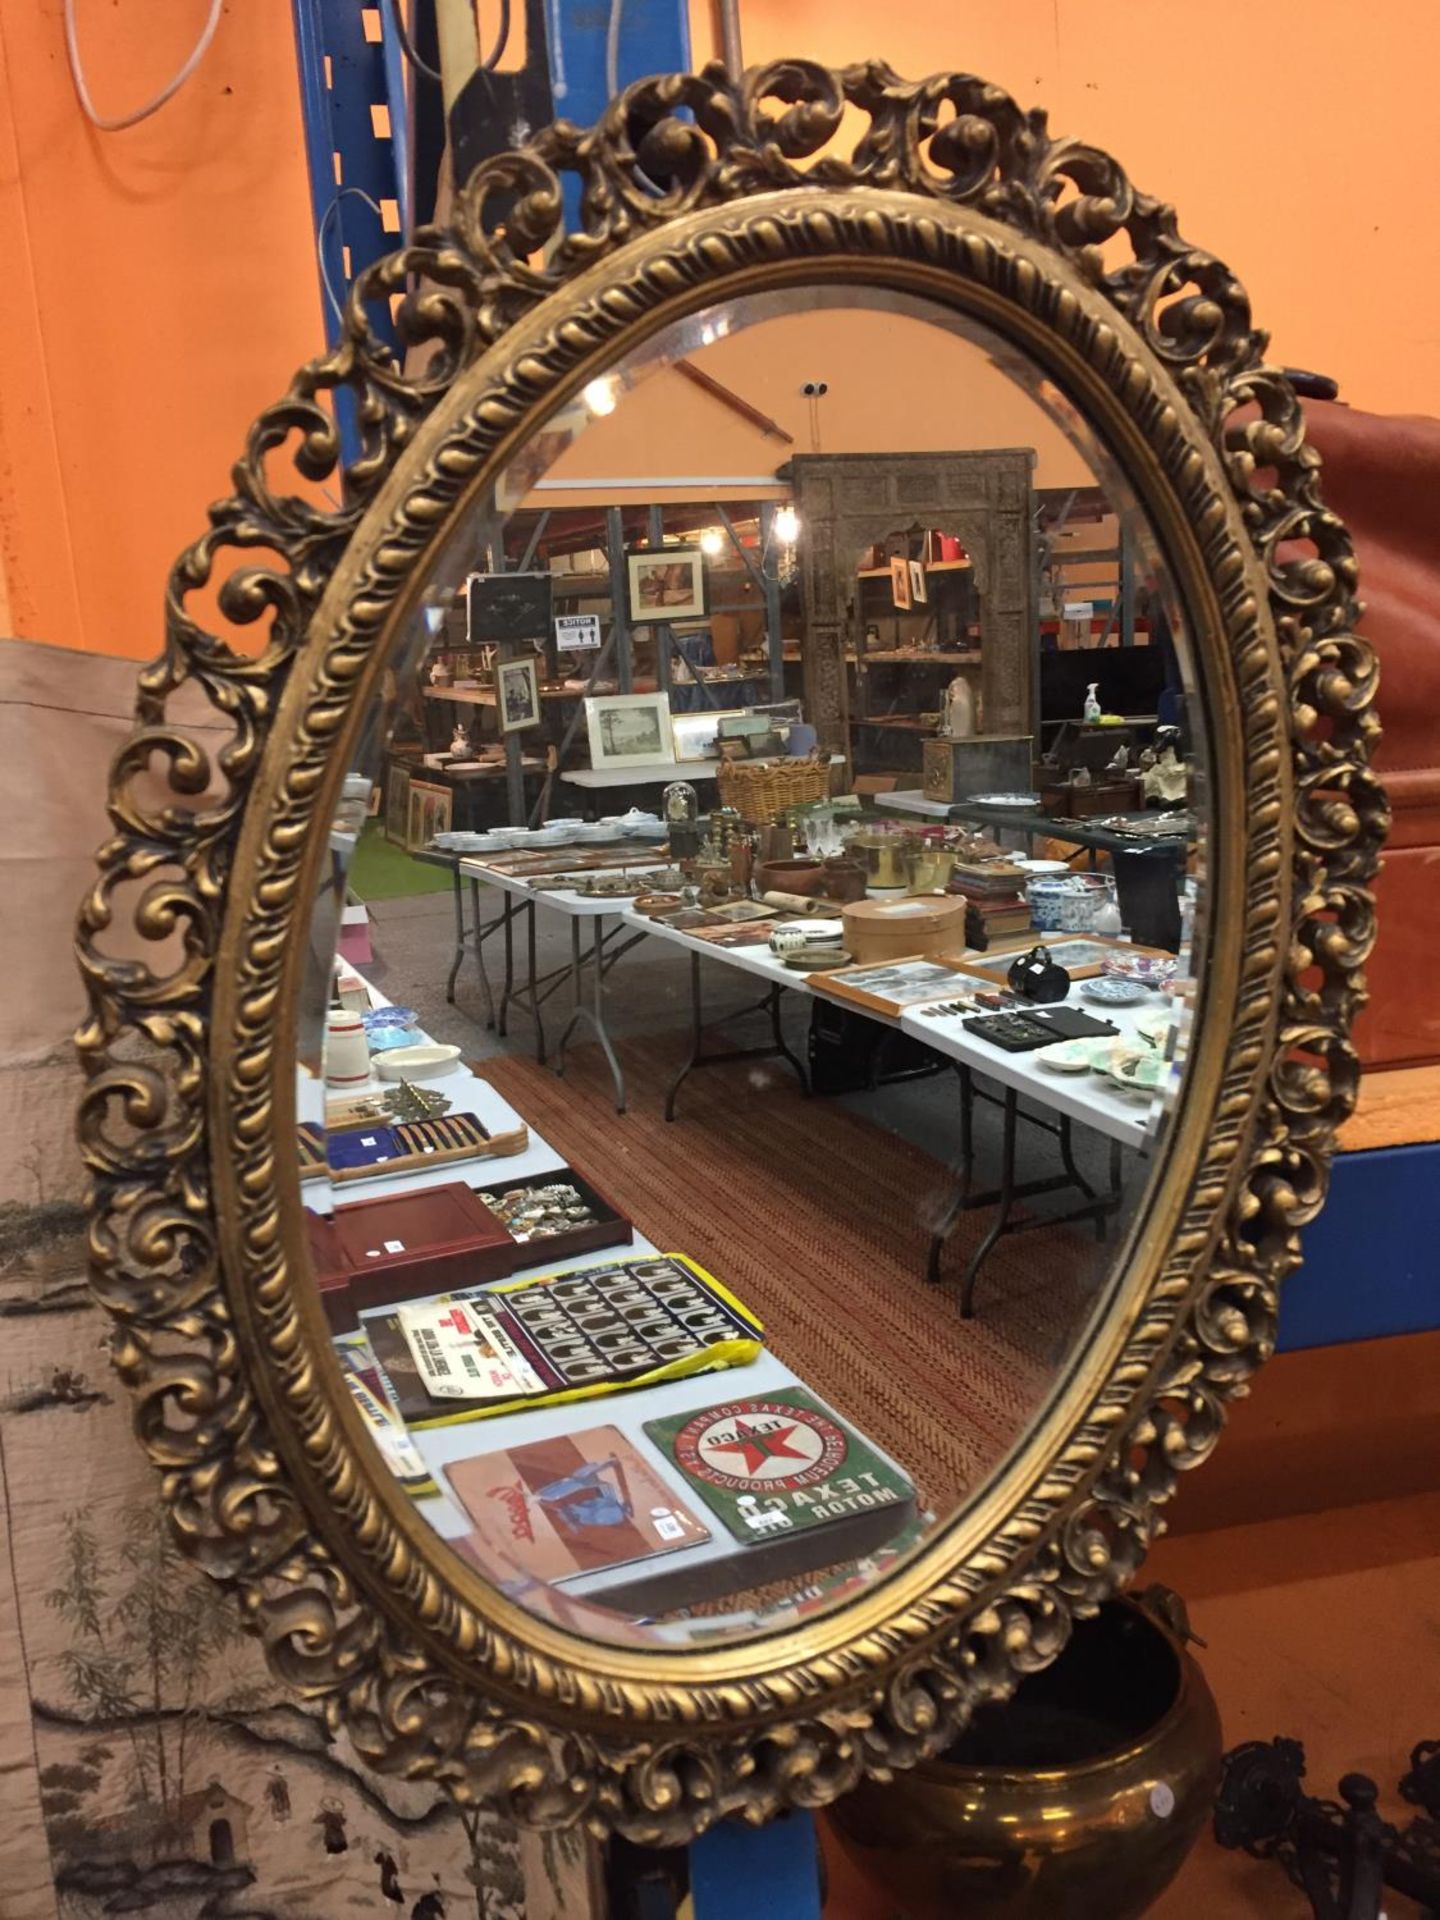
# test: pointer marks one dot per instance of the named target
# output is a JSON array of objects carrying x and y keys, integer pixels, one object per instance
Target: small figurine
[
  {"x": 440, "y": 675},
  {"x": 959, "y": 709},
  {"x": 460, "y": 745},
  {"x": 1092, "y": 702},
  {"x": 1120, "y": 763},
  {"x": 1168, "y": 780}
]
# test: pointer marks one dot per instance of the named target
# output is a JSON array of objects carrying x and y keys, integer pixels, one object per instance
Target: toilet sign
[{"x": 576, "y": 631}]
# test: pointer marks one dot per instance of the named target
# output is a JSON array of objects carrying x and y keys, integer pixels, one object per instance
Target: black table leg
[
  {"x": 946, "y": 1225},
  {"x": 773, "y": 1050},
  {"x": 507, "y": 987},
  {"x": 778, "y": 1038},
  {"x": 534, "y": 1001},
  {"x": 696, "y": 1030},
  {"x": 458, "y": 891},
  {"x": 482, "y": 933},
  {"x": 595, "y": 1012},
  {"x": 1094, "y": 1206},
  {"x": 1002, "y": 1211}
]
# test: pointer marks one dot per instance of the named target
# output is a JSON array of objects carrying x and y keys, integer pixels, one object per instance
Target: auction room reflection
[{"x": 764, "y": 908}]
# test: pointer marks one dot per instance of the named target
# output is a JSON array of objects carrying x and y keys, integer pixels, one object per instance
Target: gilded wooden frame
[{"x": 946, "y": 190}]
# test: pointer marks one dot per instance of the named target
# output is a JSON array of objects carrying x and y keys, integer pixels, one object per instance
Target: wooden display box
[
  {"x": 332, "y": 1274},
  {"x": 404, "y": 1246},
  {"x": 1065, "y": 802},
  {"x": 610, "y": 1229},
  {"x": 985, "y": 763}
]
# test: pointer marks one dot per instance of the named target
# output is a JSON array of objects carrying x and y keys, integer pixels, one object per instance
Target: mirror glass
[{"x": 753, "y": 977}]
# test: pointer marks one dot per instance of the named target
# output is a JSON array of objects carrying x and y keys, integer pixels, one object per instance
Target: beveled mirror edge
[{"x": 351, "y": 1657}]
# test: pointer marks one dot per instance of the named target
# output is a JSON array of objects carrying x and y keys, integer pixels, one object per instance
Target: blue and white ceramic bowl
[
  {"x": 1111, "y": 990},
  {"x": 392, "y": 1019},
  {"x": 381, "y": 1039}
]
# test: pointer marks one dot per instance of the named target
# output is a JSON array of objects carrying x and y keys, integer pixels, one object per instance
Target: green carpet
[{"x": 380, "y": 870}]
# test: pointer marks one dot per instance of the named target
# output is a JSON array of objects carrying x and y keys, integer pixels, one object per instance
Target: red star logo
[{"x": 757, "y": 1448}]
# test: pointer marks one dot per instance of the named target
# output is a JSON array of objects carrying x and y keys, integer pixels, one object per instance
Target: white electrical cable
[
  {"x": 612, "y": 48},
  {"x": 323, "y": 228},
  {"x": 118, "y": 123}
]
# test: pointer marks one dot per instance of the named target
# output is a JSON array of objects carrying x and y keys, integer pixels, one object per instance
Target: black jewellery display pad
[
  {"x": 1026, "y": 1029},
  {"x": 508, "y": 609}
]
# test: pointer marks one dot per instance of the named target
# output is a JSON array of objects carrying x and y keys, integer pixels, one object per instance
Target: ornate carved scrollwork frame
[{"x": 950, "y": 192}]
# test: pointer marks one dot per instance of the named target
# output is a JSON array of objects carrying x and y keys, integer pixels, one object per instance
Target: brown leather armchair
[{"x": 1382, "y": 476}]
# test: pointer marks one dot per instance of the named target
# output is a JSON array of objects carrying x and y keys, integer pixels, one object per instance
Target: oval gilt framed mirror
[{"x": 618, "y": 1423}]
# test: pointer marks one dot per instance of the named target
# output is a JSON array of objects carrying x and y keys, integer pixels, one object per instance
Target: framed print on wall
[
  {"x": 430, "y": 813},
  {"x": 629, "y": 729},
  {"x": 667, "y": 583},
  {"x": 397, "y": 804},
  {"x": 517, "y": 695},
  {"x": 900, "y": 581}
]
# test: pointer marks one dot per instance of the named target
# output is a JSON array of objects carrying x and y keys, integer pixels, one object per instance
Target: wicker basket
[{"x": 761, "y": 790}]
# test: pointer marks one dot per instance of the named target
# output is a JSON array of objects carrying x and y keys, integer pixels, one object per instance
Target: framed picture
[
  {"x": 695, "y": 733},
  {"x": 397, "y": 804},
  {"x": 430, "y": 812},
  {"x": 1081, "y": 954},
  {"x": 900, "y": 581},
  {"x": 513, "y": 607},
  {"x": 897, "y": 984},
  {"x": 667, "y": 583},
  {"x": 517, "y": 695},
  {"x": 917, "y": 583},
  {"x": 629, "y": 729}
]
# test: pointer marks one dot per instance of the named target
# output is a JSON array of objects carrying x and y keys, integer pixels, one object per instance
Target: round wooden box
[{"x": 879, "y": 930}]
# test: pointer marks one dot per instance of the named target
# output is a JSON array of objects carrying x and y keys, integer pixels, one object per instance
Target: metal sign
[{"x": 575, "y": 632}]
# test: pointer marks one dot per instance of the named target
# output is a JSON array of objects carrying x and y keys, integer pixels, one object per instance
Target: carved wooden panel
[{"x": 850, "y": 501}]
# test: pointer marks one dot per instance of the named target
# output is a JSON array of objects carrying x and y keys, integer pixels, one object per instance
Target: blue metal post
[
  {"x": 739, "y": 1872},
  {"x": 352, "y": 96}
]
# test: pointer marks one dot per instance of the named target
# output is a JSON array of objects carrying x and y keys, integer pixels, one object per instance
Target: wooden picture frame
[
  {"x": 918, "y": 590},
  {"x": 397, "y": 804},
  {"x": 696, "y": 734},
  {"x": 629, "y": 730},
  {"x": 666, "y": 583},
  {"x": 900, "y": 582},
  {"x": 517, "y": 695},
  {"x": 430, "y": 812},
  {"x": 994, "y": 964}
]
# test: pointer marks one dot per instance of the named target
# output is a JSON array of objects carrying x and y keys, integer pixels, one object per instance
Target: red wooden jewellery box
[{"x": 403, "y": 1246}]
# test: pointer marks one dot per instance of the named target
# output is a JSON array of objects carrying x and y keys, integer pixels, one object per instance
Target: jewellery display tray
[
  {"x": 415, "y": 1144},
  {"x": 399, "y": 1247},
  {"x": 1024, "y": 1029}
]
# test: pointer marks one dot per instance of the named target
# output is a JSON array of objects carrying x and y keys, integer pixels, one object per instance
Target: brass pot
[
  {"x": 885, "y": 858},
  {"x": 1077, "y": 1800},
  {"x": 929, "y": 867}
]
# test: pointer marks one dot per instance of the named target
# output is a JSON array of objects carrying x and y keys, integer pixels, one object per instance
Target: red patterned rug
[{"x": 819, "y": 1220}]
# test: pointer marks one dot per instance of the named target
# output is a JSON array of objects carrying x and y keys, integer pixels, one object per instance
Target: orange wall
[
  {"x": 161, "y": 286},
  {"x": 896, "y": 385},
  {"x": 1300, "y": 143},
  {"x": 160, "y": 290}
]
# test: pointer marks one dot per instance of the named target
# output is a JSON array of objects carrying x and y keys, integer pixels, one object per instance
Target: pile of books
[{"x": 996, "y": 891}]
